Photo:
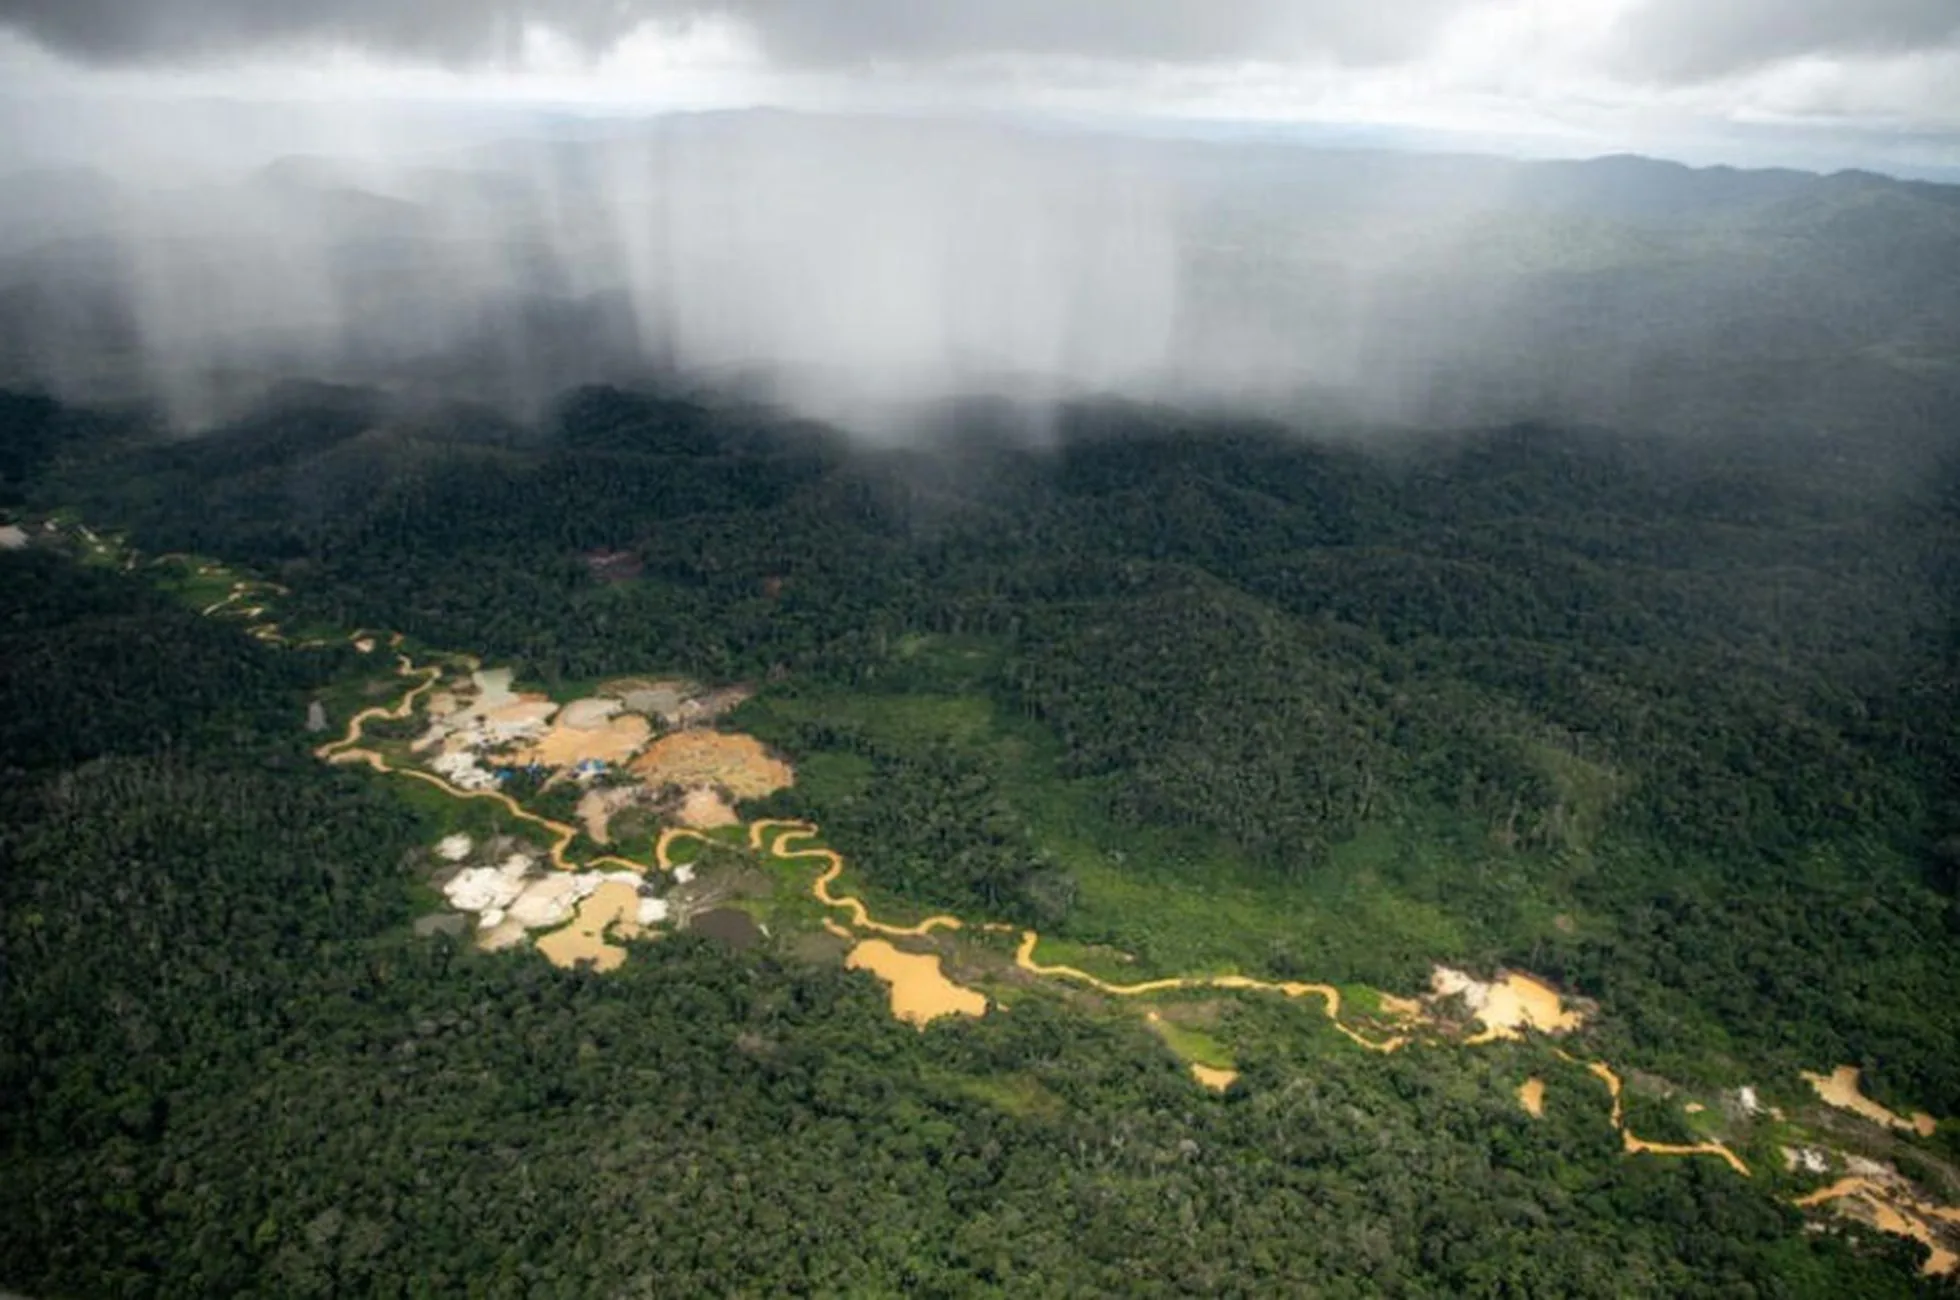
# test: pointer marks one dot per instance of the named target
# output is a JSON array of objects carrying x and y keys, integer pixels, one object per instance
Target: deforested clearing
[{"x": 738, "y": 764}]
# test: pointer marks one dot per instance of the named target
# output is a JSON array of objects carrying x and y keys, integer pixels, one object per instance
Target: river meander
[{"x": 920, "y": 989}]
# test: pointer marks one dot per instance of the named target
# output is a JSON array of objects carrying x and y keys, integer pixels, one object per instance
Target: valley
[{"x": 587, "y": 910}]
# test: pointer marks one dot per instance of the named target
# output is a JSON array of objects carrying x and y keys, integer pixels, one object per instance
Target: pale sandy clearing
[
  {"x": 492, "y": 688},
  {"x": 485, "y": 889},
  {"x": 522, "y": 714},
  {"x": 597, "y": 807},
  {"x": 505, "y": 934},
  {"x": 606, "y": 740},
  {"x": 660, "y": 700},
  {"x": 704, "y": 809},
  {"x": 1531, "y": 1096},
  {"x": 546, "y": 901},
  {"x": 1211, "y": 1077},
  {"x": 1508, "y": 1005},
  {"x": 588, "y": 715}
]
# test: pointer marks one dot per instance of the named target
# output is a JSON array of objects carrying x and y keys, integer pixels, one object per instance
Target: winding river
[{"x": 922, "y": 992}]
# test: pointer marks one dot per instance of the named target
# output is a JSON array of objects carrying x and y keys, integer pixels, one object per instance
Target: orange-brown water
[
  {"x": 920, "y": 991},
  {"x": 614, "y": 909},
  {"x": 776, "y": 835},
  {"x": 1635, "y": 1145},
  {"x": 1891, "y": 1209},
  {"x": 1841, "y": 1088}
]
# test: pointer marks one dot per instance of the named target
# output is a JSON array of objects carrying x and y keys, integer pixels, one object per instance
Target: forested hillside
[{"x": 1671, "y": 722}]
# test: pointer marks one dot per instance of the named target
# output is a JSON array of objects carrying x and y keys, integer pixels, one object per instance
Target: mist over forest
[
  {"x": 877, "y": 648},
  {"x": 853, "y": 267}
]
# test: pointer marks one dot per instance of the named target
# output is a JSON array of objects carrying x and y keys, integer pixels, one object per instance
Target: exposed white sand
[
  {"x": 460, "y": 769},
  {"x": 588, "y": 715},
  {"x": 1508, "y": 1005},
  {"x": 492, "y": 689},
  {"x": 454, "y": 848},
  {"x": 13, "y": 538},
  {"x": 484, "y": 889},
  {"x": 545, "y": 901}
]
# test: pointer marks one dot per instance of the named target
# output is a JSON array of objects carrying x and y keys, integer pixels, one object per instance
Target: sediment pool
[
  {"x": 920, "y": 991},
  {"x": 613, "y": 907},
  {"x": 1842, "y": 1088}
]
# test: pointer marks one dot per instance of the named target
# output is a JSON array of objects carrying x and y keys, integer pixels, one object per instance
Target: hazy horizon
[{"x": 1271, "y": 207}]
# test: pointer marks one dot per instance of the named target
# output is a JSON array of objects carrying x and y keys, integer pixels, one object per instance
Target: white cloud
[{"x": 1568, "y": 76}]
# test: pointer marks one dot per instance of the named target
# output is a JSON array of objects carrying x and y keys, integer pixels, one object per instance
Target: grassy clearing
[
  {"x": 444, "y": 814},
  {"x": 198, "y": 591},
  {"x": 1182, "y": 903},
  {"x": 1195, "y": 1046}
]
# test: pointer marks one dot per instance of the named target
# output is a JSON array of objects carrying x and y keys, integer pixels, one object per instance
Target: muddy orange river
[
  {"x": 1841, "y": 1088},
  {"x": 1892, "y": 1210},
  {"x": 1636, "y": 1145},
  {"x": 921, "y": 991},
  {"x": 347, "y": 750},
  {"x": 777, "y": 836}
]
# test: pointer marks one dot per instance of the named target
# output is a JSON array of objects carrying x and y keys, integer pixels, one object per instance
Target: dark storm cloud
[
  {"x": 167, "y": 31},
  {"x": 1693, "y": 40},
  {"x": 804, "y": 32}
]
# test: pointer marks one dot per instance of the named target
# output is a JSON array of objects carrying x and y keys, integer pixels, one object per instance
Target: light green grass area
[
  {"x": 1195, "y": 1046},
  {"x": 197, "y": 591},
  {"x": 827, "y": 777},
  {"x": 445, "y": 814},
  {"x": 904, "y": 720},
  {"x": 1180, "y": 903}
]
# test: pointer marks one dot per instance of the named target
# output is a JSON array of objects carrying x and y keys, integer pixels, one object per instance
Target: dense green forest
[{"x": 1670, "y": 722}]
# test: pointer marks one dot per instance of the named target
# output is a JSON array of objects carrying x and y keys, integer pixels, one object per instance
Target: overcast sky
[{"x": 1814, "y": 82}]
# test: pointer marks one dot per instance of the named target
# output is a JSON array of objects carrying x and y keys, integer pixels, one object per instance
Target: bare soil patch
[
  {"x": 736, "y": 763},
  {"x": 611, "y": 740},
  {"x": 704, "y": 808},
  {"x": 1531, "y": 1096}
]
